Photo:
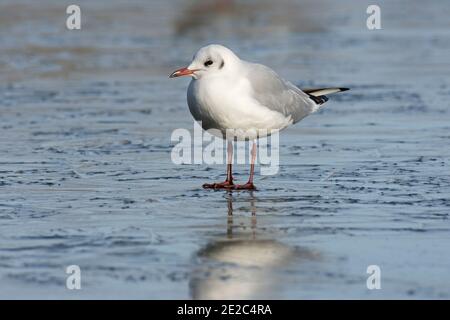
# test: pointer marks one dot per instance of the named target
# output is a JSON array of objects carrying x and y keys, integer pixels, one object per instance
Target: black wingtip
[
  {"x": 319, "y": 99},
  {"x": 344, "y": 89}
]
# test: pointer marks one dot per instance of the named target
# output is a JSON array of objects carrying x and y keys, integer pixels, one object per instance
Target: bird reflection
[
  {"x": 242, "y": 264},
  {"x": 230, "y": 214}
]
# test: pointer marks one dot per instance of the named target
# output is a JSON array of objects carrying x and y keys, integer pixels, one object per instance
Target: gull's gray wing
[{"x": 277, "y": 94}]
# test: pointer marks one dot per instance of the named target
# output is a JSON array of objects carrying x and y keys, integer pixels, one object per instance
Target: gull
[{"x": 241, "y": 100}]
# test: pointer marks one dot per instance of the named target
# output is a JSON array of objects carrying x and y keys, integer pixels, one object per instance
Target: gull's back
[{"x": 277, "y": 94}]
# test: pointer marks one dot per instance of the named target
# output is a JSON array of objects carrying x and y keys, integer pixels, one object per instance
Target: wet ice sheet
[{"x": 86, "y": 176}]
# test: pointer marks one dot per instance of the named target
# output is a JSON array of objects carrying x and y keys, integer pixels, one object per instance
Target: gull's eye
[{"x": 208, "y": 63}]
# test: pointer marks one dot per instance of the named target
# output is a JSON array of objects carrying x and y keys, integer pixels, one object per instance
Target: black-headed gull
[{"x": 244, "y": 100}]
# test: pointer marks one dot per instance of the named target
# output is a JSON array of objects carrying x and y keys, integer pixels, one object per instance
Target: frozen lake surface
[{"x": 86, "y": 176}]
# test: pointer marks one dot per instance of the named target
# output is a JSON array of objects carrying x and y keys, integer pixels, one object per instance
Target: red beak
[{"x": 181, "y": 72}]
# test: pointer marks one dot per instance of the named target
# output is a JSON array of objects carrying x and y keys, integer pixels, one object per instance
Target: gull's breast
[{"x": 221, "y": 105}]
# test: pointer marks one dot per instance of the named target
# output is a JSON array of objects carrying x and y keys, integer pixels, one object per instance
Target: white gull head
[{"x": 212, "y": 60}]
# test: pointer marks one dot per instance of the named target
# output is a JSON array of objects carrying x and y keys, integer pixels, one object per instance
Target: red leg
[
  {"x": 249, "y": 185},
  {"x": 228, "y": 183}
]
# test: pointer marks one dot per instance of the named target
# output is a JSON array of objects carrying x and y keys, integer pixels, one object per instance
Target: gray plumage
[
  {"x": 282, "y": 96},
  {"x": 278, "y": 94}
]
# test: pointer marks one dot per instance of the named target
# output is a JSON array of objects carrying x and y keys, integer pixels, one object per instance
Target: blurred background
[
  {"x": 86, "y": 176},
  {"x": 149, "y": 38}
]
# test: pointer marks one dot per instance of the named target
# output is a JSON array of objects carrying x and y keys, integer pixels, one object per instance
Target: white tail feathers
[{"x": 323, "y": 91}]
